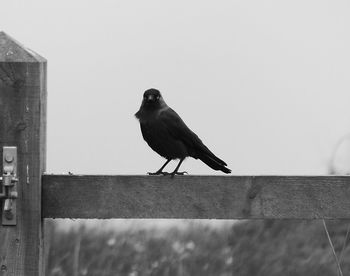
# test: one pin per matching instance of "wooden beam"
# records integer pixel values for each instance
(23, 124)
(196, 197)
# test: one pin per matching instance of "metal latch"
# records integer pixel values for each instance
(8, 187)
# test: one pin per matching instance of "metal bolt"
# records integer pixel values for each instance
(9, 158)
(13, 194)
(8, 215)
(3, 268)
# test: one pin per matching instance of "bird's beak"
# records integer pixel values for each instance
(150, 98)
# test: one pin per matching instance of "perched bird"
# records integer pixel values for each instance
(166, 133)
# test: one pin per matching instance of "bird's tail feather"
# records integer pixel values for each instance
(213, 162)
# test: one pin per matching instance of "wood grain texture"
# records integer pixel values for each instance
(196, 197)
(23, 124)
(13, 51)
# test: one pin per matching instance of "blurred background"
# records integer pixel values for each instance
(264, 84)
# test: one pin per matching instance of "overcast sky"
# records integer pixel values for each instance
(265, 84)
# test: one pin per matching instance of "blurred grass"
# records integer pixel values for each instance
(259, 247)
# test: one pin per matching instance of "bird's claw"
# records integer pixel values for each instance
(180, 173)
(158, 173)
(167, 173)
(177, 173)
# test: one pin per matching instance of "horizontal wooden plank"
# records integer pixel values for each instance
(196, 197)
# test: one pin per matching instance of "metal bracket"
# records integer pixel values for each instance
(8, 187)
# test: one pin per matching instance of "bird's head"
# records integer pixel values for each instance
(152, 99)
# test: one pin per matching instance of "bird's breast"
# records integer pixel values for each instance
(158, 137)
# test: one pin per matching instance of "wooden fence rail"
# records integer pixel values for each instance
(23, 125)
(196, 197)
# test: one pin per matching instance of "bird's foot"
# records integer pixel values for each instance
(177, 173)
(180, 173)
(167, 173)
(158, 173)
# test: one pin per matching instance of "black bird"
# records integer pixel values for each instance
(165, 132)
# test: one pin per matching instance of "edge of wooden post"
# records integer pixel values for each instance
(13, 51)
(23, 124)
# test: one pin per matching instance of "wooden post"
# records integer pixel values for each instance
(23, 124)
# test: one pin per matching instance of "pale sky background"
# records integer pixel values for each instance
(265, 84)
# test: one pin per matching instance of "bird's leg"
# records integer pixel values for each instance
(160, 171)
(175, 172)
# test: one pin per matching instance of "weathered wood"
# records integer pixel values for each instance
(196, 197)
(23, 124)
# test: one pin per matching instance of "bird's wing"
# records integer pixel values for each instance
(180, 131)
